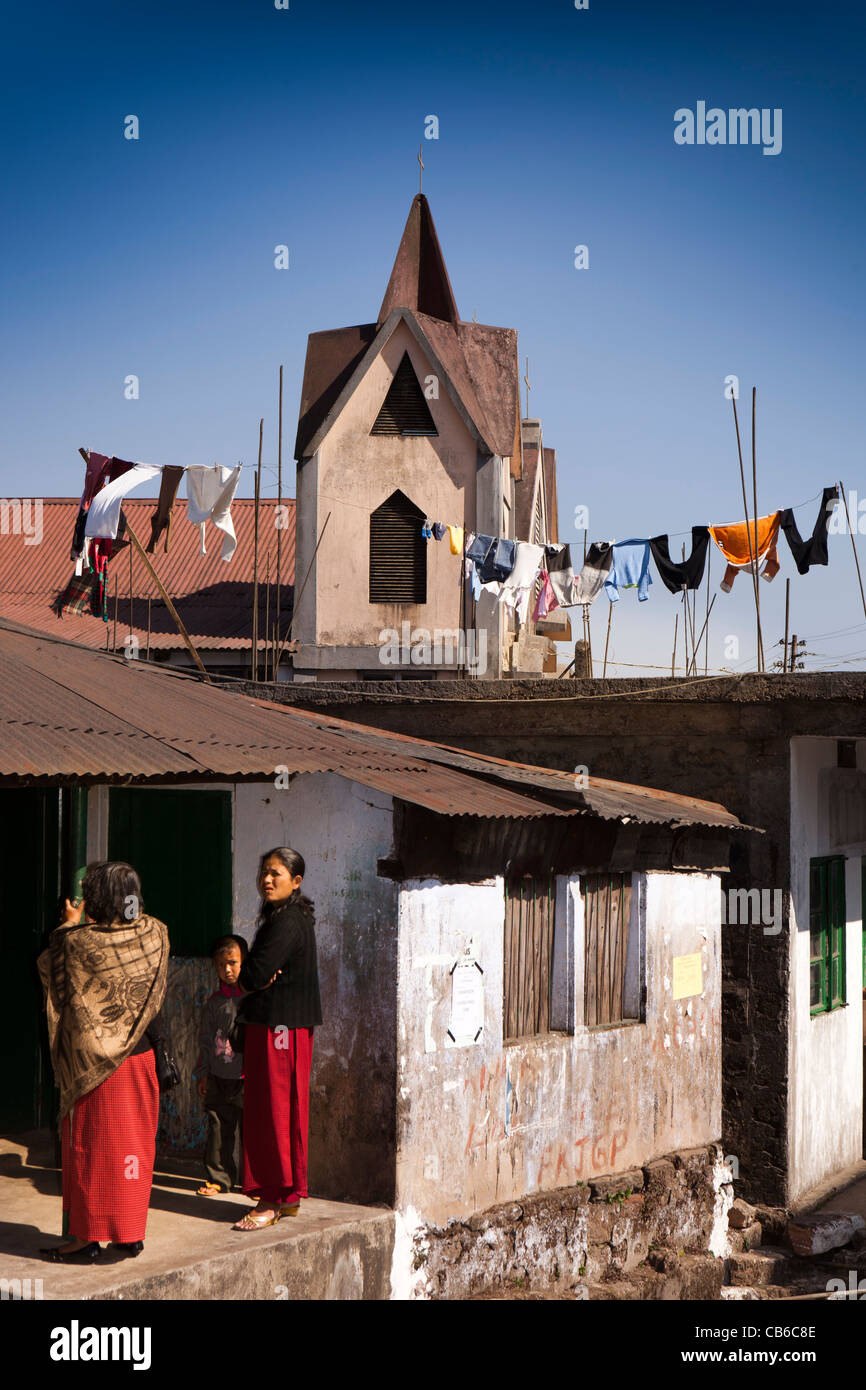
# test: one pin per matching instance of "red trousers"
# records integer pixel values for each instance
(109, 1145)
(276, 1111)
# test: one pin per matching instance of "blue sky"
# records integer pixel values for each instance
(261, 126)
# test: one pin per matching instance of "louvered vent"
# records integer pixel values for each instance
(404, 411)
(398, 553)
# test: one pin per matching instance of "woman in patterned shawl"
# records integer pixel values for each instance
(104, 975)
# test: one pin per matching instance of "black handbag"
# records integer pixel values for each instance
(167, 1070)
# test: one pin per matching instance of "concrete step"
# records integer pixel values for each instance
(331, 1250)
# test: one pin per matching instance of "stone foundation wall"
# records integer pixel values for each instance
(589, 1235)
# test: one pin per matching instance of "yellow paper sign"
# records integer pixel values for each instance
(688, 976)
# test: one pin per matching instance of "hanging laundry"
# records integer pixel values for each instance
(95, 476)
(455, 539)
(209, 494)
(517, 588)
(559, 567)
(77, 597)
(100, 554)
(103, 515)
(78, 539)
(685, 574)
(99, 471)
(161, 519)
(83, 559)
(426, 530)
(629, 569)
(471, 572)
(498, 562)
(734, 542)
(814, 550)
(479, 547)
(546, 601)
(596, 568)
(438, 530)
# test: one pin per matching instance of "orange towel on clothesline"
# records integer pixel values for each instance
(734, 542)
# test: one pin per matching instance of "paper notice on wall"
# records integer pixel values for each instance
(467, 1003)
(688, 976)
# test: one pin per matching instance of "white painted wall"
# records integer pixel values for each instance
(492, 1122)
(825, 1053)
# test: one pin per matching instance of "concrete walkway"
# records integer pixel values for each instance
(331, 1250)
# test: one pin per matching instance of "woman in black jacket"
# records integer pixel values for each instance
(280, 981)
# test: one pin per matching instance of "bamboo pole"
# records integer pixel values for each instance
(853, 546)
(114, 631)
(755, 502)
(254, 664)
(704, 629)
(787, 613)
(275, 662)
(753, 566)
(130, 592)
(147, 649)
(163, 592)
(607, 638)
(267, 607)
(674, 656)
(707, 619)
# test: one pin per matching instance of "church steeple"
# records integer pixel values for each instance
(419, 280)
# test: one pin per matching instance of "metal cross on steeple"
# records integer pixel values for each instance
(421, 170)
(528, 387)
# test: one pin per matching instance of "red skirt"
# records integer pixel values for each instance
(276, 1111)
(109, 1145)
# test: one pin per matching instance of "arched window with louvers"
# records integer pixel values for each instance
(398, 552)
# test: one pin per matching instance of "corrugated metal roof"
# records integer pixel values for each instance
(69, 712)
(214, 598)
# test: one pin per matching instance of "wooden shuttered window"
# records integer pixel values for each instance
(529, 923)
(827, 923)
(404, 409)
(607, 914)
(398, 552)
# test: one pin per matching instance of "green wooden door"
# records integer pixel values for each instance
(180, 842)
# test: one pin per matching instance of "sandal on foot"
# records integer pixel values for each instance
(209, 1189)
(257, 1219)
(289, 1209)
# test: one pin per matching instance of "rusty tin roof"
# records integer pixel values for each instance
(69, 712)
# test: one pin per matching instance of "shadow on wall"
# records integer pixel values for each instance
(182, 1126)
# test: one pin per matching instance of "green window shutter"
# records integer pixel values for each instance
(827, 929)
(180, 843)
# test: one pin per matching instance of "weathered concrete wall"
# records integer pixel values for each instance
(577, 1237)
(182, 1125)
(826, 1052)
(491, 1123)
(726, 740)
(341, 829)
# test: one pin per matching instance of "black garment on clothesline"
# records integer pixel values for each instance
(814, 550)
(687, 573)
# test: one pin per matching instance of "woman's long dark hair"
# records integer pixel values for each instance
(112, 893)
(294, 863)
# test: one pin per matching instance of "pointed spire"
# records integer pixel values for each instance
(419, 279)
